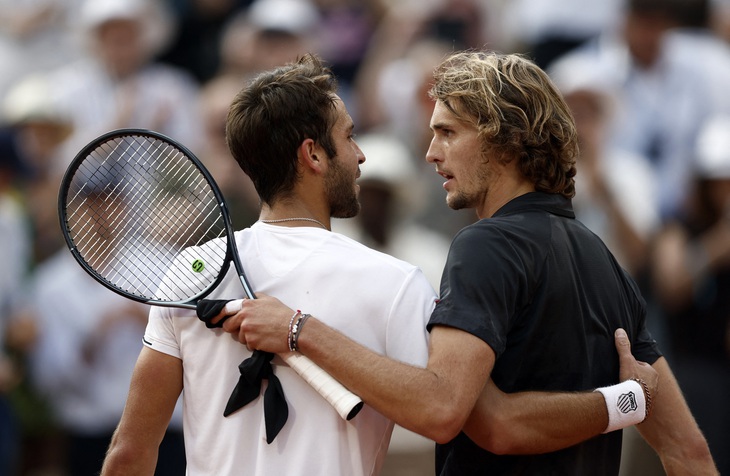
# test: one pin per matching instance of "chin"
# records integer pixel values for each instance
(457, 202)
(347, 212)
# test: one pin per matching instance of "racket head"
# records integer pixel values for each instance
(142, 215)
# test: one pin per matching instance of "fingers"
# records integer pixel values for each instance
(623, 346)
(232, 324)
(630, 368)
(627, 363)
(232, 307)
(260, 323)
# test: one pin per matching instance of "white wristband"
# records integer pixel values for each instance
(626, 404)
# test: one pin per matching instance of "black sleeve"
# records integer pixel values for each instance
(481, 286)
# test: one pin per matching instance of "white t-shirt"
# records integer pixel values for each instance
(371, 297)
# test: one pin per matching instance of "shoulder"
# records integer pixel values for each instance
(509, 231)
(356, 250)
(367, 256)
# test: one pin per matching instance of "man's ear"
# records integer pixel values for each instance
(311, 156)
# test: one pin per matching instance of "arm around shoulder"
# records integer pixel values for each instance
(155, 387)
(534, 422)
(542, 422)
(434, 401)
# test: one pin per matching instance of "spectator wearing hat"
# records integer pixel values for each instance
(35, 37)
(670, 76)
(616, 196)
(118, 83)
(268, 34)
(82, 364)
(35, 130)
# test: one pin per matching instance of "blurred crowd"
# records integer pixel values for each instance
(647, 81)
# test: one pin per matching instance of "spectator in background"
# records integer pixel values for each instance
(118, 84)
(410, 40)
(9, 432)
(37, 128)
(268, 34)
(15, 242)
(545, 30)
(32, 130)
(390, 195)
(692, 284)
(392, 90)
(616, 190)
(413, 37)
(35, 35)
(83, 361)
(346, 28)
(195, 46)
(669, 80)
(720, 18)
(215, 99)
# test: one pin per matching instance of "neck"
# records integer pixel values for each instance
(502, 191)
(293, 217)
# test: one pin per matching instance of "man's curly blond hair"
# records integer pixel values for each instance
(518, 111)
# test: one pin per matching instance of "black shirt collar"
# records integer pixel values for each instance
(550, 202)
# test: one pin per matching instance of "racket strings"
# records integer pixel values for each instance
(141, 214)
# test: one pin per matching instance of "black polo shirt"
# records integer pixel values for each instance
(546, 295)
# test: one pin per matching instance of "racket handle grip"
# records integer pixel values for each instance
(346, 403)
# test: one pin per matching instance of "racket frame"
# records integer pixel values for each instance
(231, 248)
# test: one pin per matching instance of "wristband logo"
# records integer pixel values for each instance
(626, 402)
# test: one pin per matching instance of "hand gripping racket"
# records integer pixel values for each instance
(142, 215)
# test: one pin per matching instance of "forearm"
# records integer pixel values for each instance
(123, 460)
(672, 431)
(540, 422)
(535, 422)
(155, 386)
(427, 401)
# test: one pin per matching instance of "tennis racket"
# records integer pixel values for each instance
(142, 215)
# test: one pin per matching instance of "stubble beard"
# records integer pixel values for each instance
(461, 199)
(340, 189)
(458, 201)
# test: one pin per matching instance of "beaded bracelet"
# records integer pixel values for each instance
(290, 336)
(296, 330)
(647, 395)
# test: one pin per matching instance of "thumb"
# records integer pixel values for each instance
(623, 346)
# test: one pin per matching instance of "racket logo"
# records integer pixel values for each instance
(198, 266)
